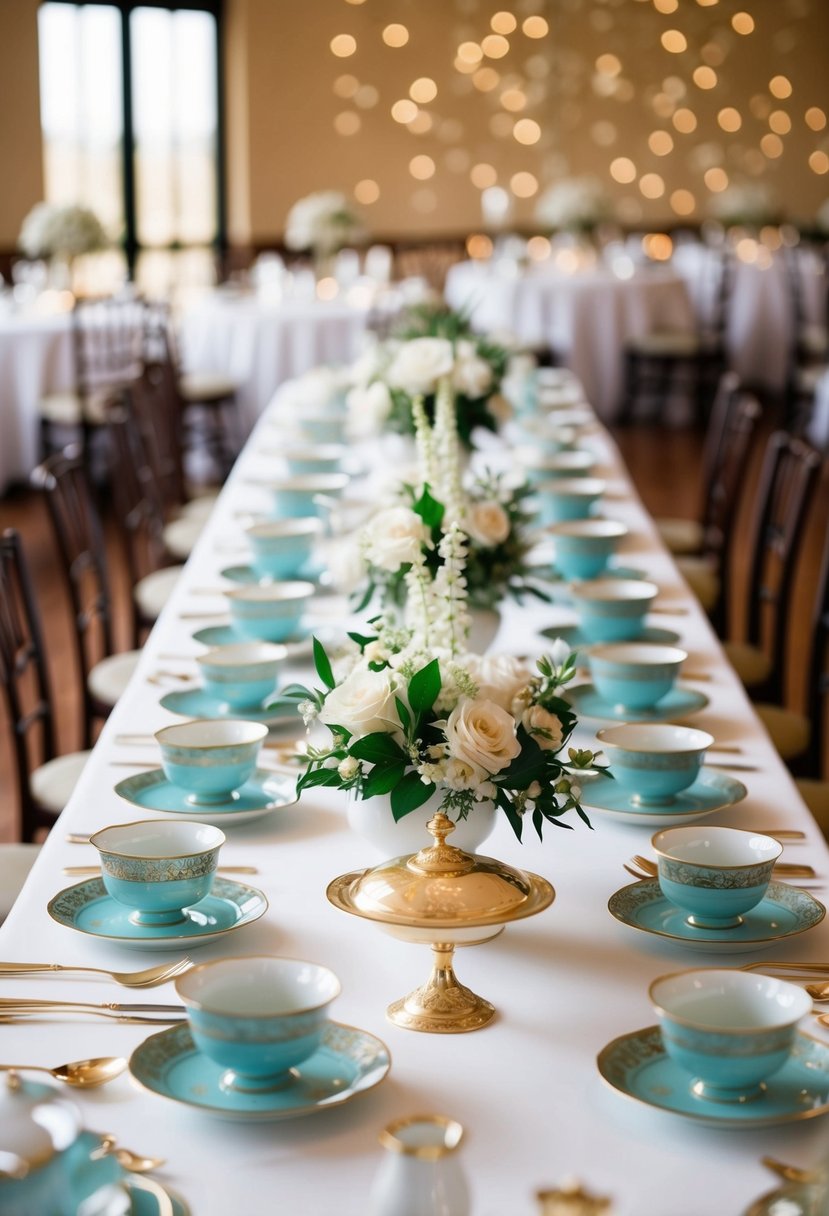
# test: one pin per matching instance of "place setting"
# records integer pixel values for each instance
(237, 678)
(636, 682)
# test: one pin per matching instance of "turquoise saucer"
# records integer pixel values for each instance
(348, 1062)
(575, 639)
(785, 912)
(299, 646)
(264, 793)
(310, 572)
(87, 908)
(678, 703)
(712, 791)
(199, 703)
(636, 1066)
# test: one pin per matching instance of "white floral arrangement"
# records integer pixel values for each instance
(52, 231)
(577, 204)
(324, 223)
(745, 205)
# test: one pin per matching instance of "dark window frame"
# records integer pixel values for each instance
(133, 248)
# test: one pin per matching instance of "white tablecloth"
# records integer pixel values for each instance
(35, 359)
(261, 345)
(564, 983)
(586, 317)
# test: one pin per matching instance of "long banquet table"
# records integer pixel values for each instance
(565, 983)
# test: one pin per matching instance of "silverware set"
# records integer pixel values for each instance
(149, 977)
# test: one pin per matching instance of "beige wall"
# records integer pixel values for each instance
(291, 145)
(21, 166)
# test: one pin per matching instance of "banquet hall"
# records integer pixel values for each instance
(414, 419)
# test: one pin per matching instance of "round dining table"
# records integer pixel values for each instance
(565, 983)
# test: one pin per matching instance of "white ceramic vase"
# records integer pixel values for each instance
(371, 818)
(420, 1174)
(485, 623)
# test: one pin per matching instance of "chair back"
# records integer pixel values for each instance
(817, 687)
(108, 343)
(24, 679)
(788, 480)
(154, 405)
(76, 523)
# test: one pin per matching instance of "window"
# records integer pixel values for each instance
(131, 127)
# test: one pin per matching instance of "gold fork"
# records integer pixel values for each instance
(150, 977)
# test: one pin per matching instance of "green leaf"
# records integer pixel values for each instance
(378, 748)
(319, 776)
(362, 639)
(424, 687)
(429, 509)
(409, 794)
(515, 821)
(322, 664)
(403, 714)
(529, 765)
(295, 692)
(383, 778)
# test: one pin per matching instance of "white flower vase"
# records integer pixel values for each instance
(420, 1175)
(484, 626)
(371, 818)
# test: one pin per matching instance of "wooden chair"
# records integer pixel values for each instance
(107, 349)
(788, 481)
(44, 780)
(140, 517)
(809, 346)
(664, 361)
(64, 480)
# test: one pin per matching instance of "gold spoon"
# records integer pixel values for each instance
(134, 1162)
(83, 1074)
(790, 1173)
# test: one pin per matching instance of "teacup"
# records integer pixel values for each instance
(563, 498)
(271, 612)
(584, 546)
(321, 426)
(613, 609)
(280, 548)
(257, 1017)
(560, 396)
(654, 761)
(714, 874)
(314, 457)
(305, 494)
(548, 436)
(729, 1030)
(242, 674)
(210, 758)
(158, 868)
(634, 675)
(544, 466)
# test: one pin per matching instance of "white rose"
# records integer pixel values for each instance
(368, 409)
(348, 768)
(544, 727)
(461, 775)
(500, 678)
(487, 523)
(419, 365)
(472, 375)
(394, 538)
(482, 734)
(363, 704)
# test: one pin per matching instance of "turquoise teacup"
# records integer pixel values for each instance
(543, 466)
(729, 1030)
(613, 609)
(280, 548)
(269, 612)
(561, 498)
(309, 458)
(305, 494)
(242, 674)
(258, 1018)
(634, 675)
(210, 758)
(654, 761)
(583, 547)
(321, 426)
(714, 874)
(158, 868)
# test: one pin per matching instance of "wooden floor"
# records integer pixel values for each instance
(664, 466)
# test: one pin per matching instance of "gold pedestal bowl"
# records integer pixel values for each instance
(446, 898)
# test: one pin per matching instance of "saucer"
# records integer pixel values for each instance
(298, 646)
(678, 703)
(712, 791)
(87, 908)
(637, 1066)
(147, 1197)
(575, 639)
(785, 912)
(264, 793)
(199, 703)
(347, 1063)
(249, 575)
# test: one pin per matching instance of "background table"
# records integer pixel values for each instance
(586, 317)
(564, 983)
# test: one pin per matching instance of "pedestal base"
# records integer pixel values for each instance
(441, 1005)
